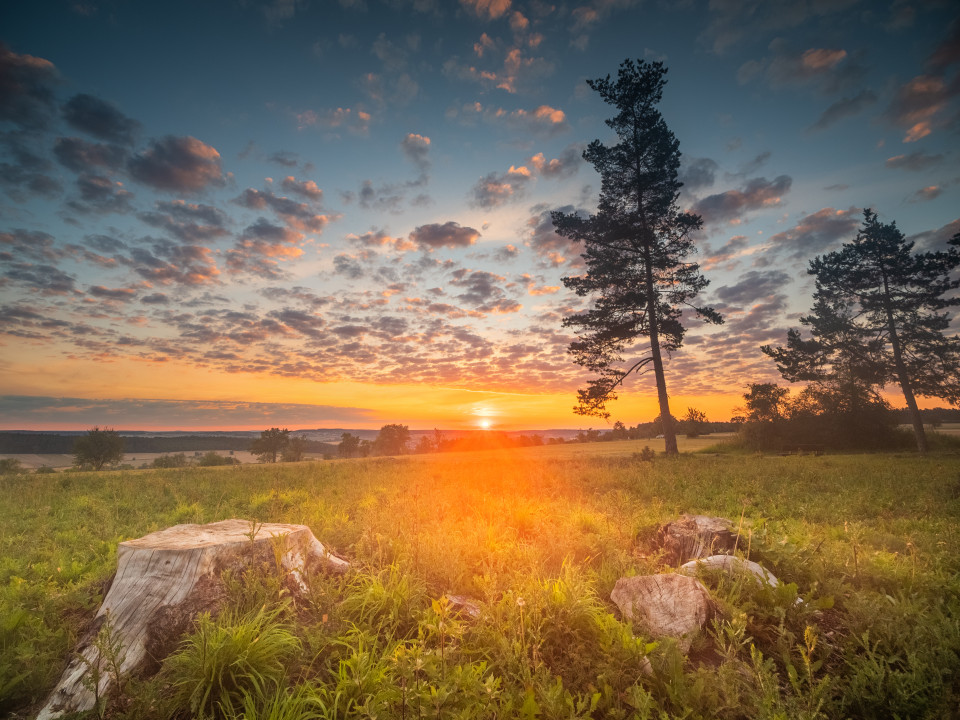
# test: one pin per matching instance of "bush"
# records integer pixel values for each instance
(170, 461)
(9, 466)
(212, 459)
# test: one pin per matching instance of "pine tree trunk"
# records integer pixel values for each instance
(902, 375)
(666, 419)
(163, 581)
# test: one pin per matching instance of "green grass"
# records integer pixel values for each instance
(538, 537)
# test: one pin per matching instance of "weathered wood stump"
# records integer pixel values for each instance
(665, 605)
(695, 536)
(164, 580)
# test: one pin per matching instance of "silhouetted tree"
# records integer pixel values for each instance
(695, 422)
(619, 431)
(877, 318)
(392, 440)
(270, 444)
(98, 448)
(294, 450)
(349, 445)
(635, 247)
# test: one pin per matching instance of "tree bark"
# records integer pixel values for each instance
(905, 385)
(163, 581)
(666, 419)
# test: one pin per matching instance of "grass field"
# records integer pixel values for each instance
(538, 536)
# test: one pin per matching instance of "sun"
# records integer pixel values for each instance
(485, 424)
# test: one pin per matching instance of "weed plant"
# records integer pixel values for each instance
(865, 622)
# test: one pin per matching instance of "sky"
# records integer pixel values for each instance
(330, 213)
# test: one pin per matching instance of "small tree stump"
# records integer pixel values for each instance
(164, 580)
(695, 536)
(666, 605)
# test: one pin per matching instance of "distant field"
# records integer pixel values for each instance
(871, 543)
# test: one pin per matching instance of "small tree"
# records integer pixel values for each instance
(695, 422)
(349, 446)
(98, 448)
(392, 440)
(294, 450)
(9, 466)
(270, 444)
(635, 247)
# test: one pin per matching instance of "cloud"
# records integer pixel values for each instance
(487, 9)
(518, 72)
(698, 173)
(347, 266)
(174, 414)
(259, 248)
(83, 156)
(726, 252)
(816, 233)
(830, 70)
(542, 120)
(543, 239)
(298, 215)
(117, 294)
(752, 286)
(303, 188)
(92, 115)
(915, 161)
(496, 189)
(753, 195)
(192, 223)
(177, 164)
(29, 244)
(918, 105)
(26, 89)
(26, 175)
(284, 158)
(481, 290)
(947, 53)
(449, 234)
(379, 239)
(101, 195)
(167, 262)
(387, 198)
(43, 278)
(417, 150)
(155, 299)
(564, 166)
(843, 108)
(928, 193)
(934, 240)
(730, 23)
(354, 120)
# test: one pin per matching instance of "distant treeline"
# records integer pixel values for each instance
(12, 443)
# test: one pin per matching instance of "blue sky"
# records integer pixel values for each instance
(346, 204)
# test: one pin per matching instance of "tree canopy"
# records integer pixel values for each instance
(393, 440)
(635, 246)
(98, 448)
(879, 317)
(270, 444)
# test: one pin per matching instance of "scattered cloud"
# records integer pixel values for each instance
(487, 9)
(449, 234)
(177, 164)
(918, 106)
(755, 194)
(496, 189)
(301, 216)
(542, 120)
(353, 120)
(915, 161)
(192, 223)
(843, 108)
(830, 70)
(933, 240)
(26, 89)
(92, 115)
(817, 233)
(83, 156)
(416, 148)
(304, 188)
(930, 192)
(698, 173)
(752, 286)
(100, 195)
(564, 166)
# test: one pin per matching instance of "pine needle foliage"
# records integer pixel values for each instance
(635, 247)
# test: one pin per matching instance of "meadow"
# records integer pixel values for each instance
(536, 537)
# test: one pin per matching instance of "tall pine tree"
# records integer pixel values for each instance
(879, 317)
(635, 247)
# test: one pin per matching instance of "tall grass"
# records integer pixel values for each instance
(537, 537)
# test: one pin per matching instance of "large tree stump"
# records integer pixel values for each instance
(164, 580)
